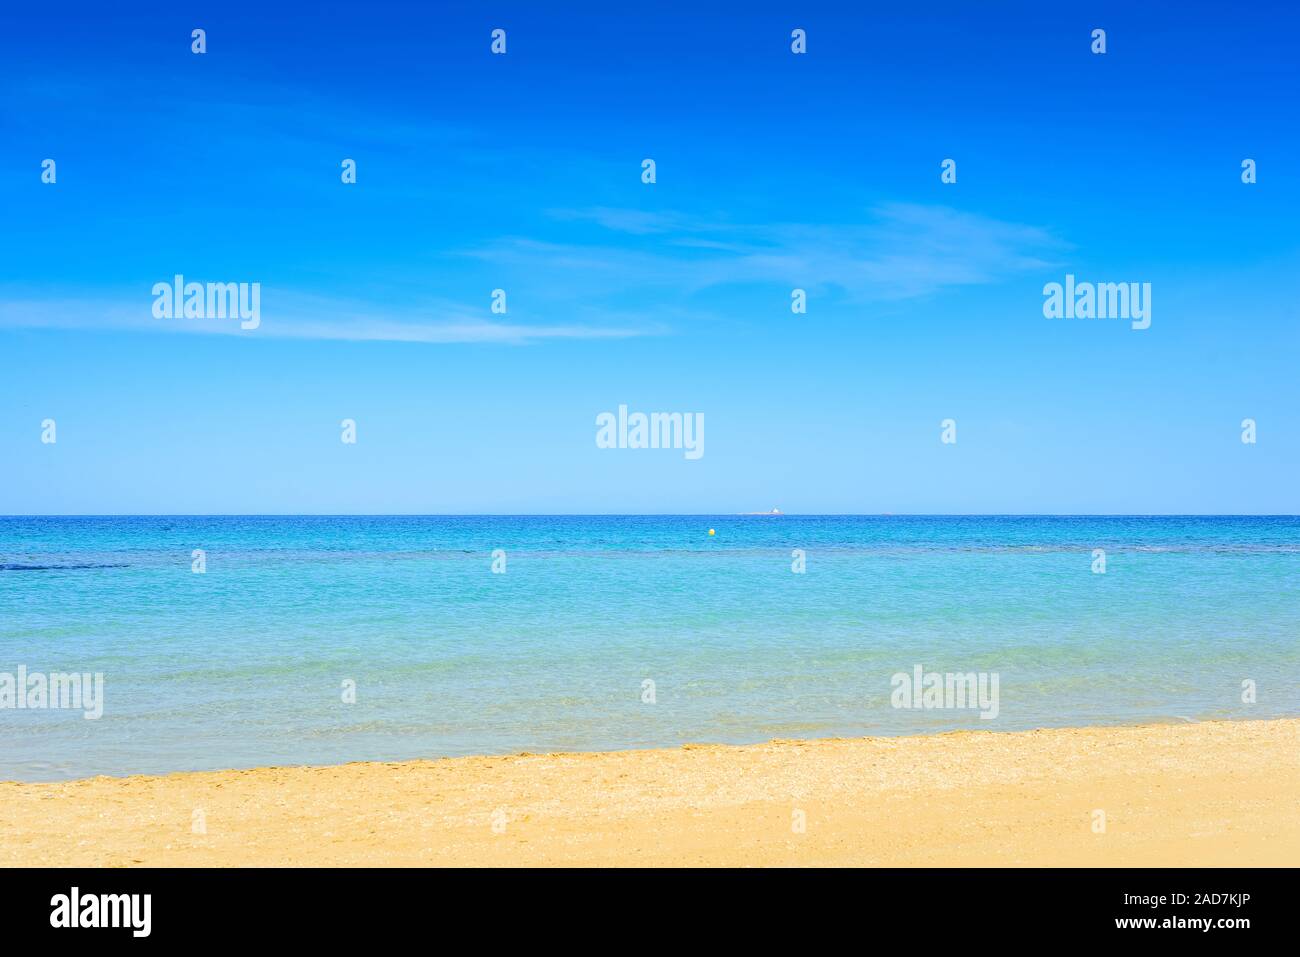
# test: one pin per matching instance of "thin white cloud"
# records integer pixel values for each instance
(898, 250)
(636, 265)
(300, 317)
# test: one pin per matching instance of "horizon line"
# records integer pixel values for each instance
(652, 515)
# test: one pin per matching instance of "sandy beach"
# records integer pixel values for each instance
(1213, 793)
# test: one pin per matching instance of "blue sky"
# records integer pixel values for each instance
(523, 172)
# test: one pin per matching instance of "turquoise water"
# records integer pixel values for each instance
(244, 665)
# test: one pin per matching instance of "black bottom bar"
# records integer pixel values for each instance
(964, 908)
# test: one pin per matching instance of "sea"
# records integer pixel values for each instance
(234, 642)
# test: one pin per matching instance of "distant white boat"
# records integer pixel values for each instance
(775, 511)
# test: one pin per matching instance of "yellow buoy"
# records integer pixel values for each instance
(710, 531)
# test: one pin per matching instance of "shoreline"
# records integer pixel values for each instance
(1214, 793)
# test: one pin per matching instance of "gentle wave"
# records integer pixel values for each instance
(15, 567)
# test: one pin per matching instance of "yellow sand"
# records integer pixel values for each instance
(1215, 793)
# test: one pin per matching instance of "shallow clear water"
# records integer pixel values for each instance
(244, 665)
